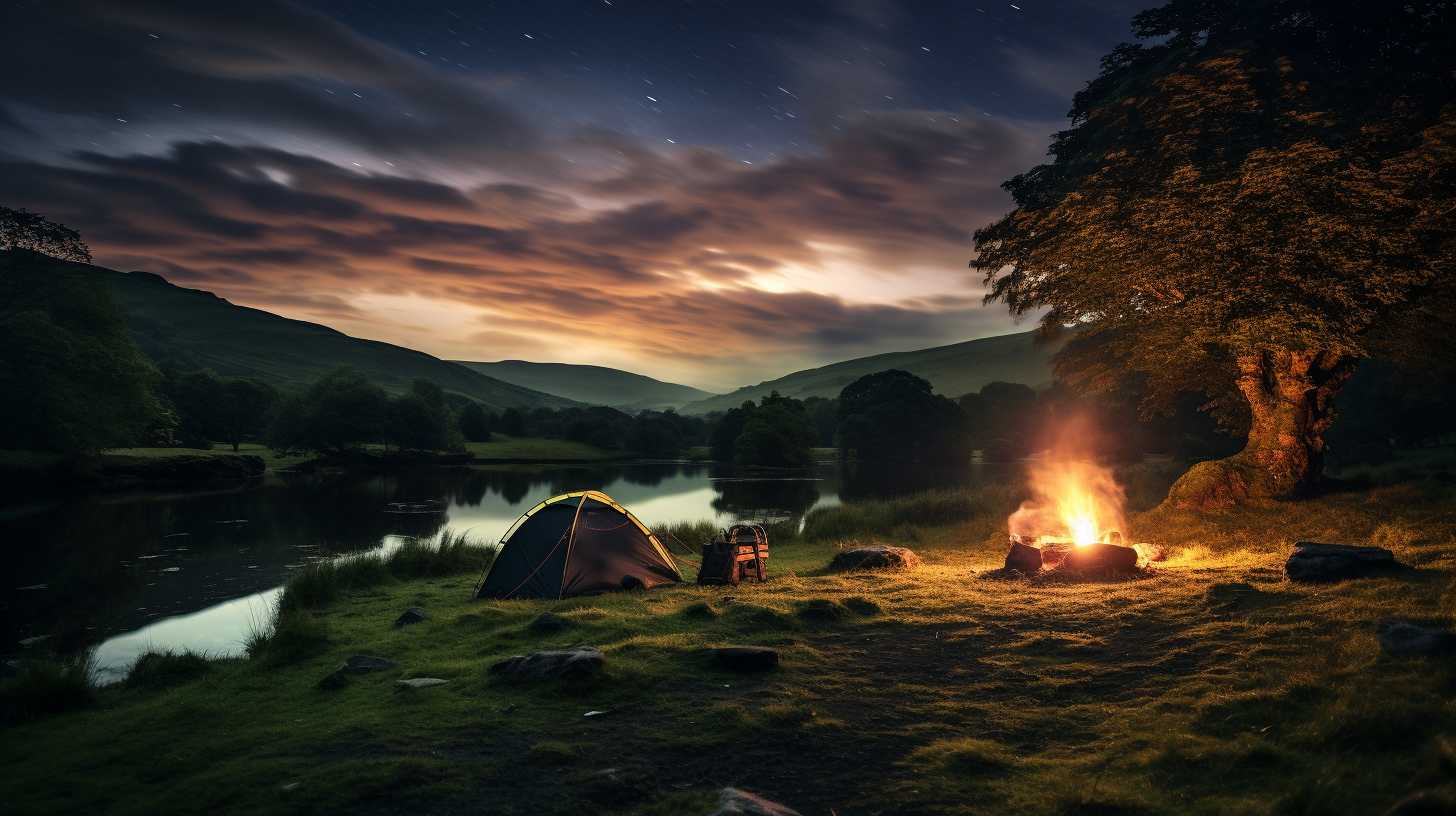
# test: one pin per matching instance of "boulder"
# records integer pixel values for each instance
(412, 615)
(1312, 562)
(746, 658)
(1111, 559)
(1023, 558)
(1405, 639)
(416, 683)
(875, 558)
(364, 664)
(735, 802)
(566, 663)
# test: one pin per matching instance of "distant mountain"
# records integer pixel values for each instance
(953, 370)
(596, 385)
(190, 328)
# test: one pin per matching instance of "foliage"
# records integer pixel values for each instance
(1244, 208)
(72, 377)
(776, 433)
(476, 422)
(20, 229)
(893, 416)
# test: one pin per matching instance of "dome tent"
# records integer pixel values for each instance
(577, 544)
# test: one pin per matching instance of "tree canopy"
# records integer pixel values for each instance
(20, 229)
(1245, 208)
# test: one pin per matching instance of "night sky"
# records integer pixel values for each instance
(707, 192)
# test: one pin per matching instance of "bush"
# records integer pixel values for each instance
(44, 688)
(165, 668)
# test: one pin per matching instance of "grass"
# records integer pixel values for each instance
(1215, 686)
(527, 449)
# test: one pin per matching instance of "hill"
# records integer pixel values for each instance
(191, 328)
(596, 385)
(954, 370)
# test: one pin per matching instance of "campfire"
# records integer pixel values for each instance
(1073, 522)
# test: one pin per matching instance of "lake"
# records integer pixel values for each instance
(200, 571)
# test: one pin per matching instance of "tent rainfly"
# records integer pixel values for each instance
(577, 544)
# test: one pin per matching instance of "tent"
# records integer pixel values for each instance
(577, 544)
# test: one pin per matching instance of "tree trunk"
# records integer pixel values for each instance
(1291, 404)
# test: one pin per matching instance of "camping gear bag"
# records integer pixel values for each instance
(740, 553)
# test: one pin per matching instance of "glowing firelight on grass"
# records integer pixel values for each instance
(1072, 500)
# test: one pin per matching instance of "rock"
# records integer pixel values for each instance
(363, 664)
(1023, 558)
(567, 663)
(735, 802)
(1113, 559)
(871, 558)
(746, 658)
(1424, 803)
(418, 683)
(1312, 562)
(1405, 639)
(412, 615)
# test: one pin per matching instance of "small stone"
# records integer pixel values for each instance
(566, 663)
(418, 683)
(1313, 562)
(875, 558)
(412, 615)
(746, 658)
(1405, 639)
(735, 802)
(1023, 558)
(363, 664)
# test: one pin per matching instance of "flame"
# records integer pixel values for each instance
(1072, 500)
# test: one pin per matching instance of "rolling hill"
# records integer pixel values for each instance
(954, 370)
(191, 328)
(596, 385)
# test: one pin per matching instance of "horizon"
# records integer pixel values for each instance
(706, 199)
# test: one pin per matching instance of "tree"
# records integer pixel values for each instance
(894, 416)
(73, 379)
(475, 423)
(20, 229)
(1246, 208)
(422, 419)
(778, 433)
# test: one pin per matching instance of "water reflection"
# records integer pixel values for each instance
(193, 570)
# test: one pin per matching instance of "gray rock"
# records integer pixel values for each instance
(875, 558)
(746, 658)
(566, 663)
(412, 615)
(415, 683)
(363, 664)
(735, 802)
(1023, 558)
(1313, 562)
(1406, 639)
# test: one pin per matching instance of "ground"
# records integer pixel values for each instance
(1214, 686)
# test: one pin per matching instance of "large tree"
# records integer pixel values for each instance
(1247, 207)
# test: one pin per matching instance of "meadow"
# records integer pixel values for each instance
(1212, 686)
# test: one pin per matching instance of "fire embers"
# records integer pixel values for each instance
(1066, 559)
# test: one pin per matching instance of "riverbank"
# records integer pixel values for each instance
(1214, 686)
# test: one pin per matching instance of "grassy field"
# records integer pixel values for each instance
(528, 449)
(1212, 687)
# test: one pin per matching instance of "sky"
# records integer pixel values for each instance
(712, 193)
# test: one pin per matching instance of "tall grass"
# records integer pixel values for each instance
(321, 583)
(43, 688)
(889, 516)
